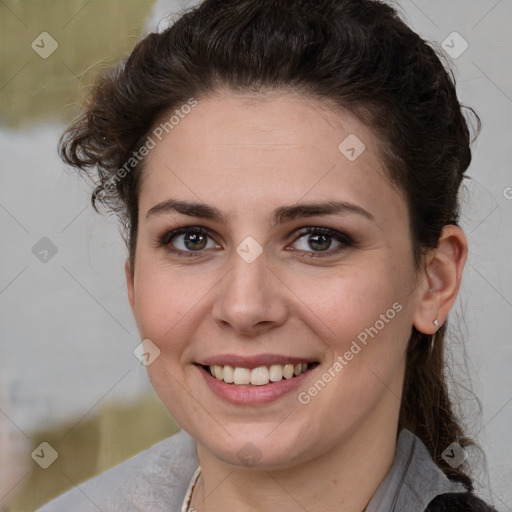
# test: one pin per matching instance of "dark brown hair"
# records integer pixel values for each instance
(355, 54)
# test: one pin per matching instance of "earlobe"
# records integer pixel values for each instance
(443, 274)
(130, 285)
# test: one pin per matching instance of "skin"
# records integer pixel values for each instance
(247, 156)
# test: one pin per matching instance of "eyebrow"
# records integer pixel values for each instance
(280, 215)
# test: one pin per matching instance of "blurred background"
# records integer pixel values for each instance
(68, 376)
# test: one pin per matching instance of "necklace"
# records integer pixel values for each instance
(187, 502)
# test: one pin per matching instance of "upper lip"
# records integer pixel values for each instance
(252, 361)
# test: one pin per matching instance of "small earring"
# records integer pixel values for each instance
(436, 322)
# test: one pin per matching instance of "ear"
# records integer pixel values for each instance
(130, 286)
(443, 269)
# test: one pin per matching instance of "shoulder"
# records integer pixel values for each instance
(155, 479)
(458, 502)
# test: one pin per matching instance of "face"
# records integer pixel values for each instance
(263, 249)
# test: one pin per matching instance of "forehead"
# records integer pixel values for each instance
(234, 148)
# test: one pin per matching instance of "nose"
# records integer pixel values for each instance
(250, 299)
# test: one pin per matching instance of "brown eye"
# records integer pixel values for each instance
(321, 240)
(194, 241)
(189, 240)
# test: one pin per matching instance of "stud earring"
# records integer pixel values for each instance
(436, 322)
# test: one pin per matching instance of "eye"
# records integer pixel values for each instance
(321, 240)
(188, 240)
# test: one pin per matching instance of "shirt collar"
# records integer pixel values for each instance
(411, 483)
(413, 480)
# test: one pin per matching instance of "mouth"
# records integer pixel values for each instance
(257, 376)
(255, 379)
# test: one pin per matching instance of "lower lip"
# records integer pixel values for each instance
(251, 395)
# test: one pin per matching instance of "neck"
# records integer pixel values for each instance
(343, 479)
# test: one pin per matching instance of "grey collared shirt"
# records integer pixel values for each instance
(157, 479)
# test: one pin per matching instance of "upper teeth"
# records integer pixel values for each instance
(257, 376)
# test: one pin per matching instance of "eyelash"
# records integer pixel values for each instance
(165, 240)
(345, 240)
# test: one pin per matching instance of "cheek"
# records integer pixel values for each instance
(365, 319)
(348, 300)
(164, 290)
(166, 308)
(164, 303)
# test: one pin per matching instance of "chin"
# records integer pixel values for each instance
(255, 446)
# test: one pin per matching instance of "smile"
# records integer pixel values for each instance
(254, 381)
(259, 376)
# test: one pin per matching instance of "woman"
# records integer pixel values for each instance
(287, 173)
